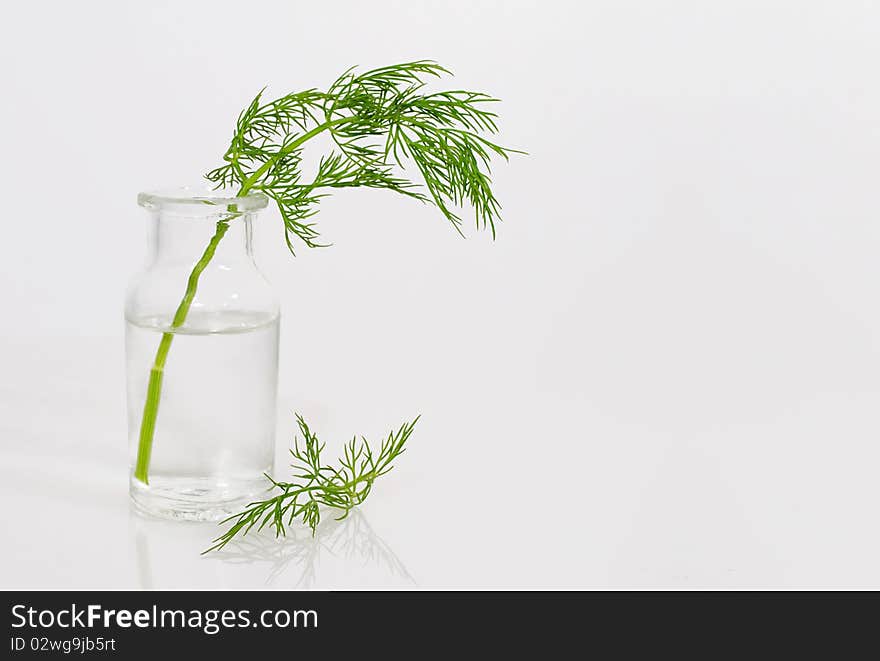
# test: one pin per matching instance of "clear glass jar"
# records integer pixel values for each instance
(202, 359)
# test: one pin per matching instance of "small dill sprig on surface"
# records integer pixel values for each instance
(341, 487)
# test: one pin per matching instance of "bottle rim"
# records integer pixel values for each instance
(199, 200)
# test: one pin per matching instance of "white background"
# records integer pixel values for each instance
(663, 373)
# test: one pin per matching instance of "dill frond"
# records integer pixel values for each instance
(316, 485)
(380, 121)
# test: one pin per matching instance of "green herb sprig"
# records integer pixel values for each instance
(316, 485)
(380, 122)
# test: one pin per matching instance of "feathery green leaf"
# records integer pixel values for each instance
(380, 121)
(343, 487)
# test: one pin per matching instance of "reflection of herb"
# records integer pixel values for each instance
(343, 487)
(299, 554)
(379, 122)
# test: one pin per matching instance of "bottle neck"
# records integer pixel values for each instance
(176, 239)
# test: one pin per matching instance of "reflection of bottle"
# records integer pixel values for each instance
(166, 556)
(142, 553)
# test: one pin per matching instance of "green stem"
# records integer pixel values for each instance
(154, 386)
(255, 177)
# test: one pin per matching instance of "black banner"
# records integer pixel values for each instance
(375, 624)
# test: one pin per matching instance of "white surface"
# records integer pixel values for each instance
(665, 371)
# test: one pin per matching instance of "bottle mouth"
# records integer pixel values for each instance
(201, 201)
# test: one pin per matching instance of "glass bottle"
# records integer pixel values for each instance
(202, 359)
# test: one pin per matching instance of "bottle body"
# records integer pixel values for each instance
(202, 363)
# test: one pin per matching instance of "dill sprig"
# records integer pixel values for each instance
(379, 121)
(316, 485)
